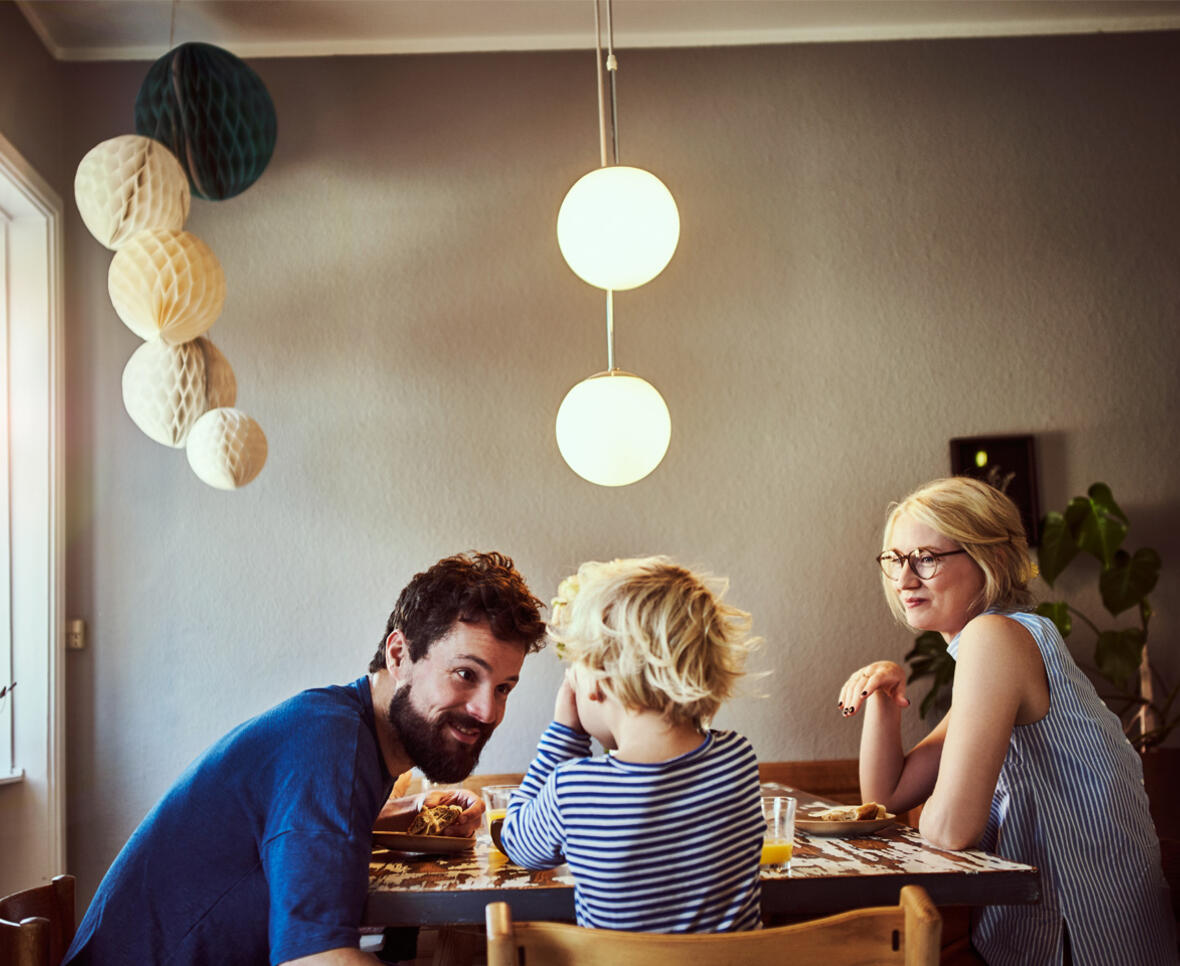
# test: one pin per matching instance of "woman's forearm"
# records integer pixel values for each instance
(881, 756)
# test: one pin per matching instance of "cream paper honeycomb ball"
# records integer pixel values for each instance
(129, 184)
(166, 285)
(167, 388)
(226, 448)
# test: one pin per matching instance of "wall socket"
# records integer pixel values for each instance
(76, 635)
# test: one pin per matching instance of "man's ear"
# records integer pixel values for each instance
(397, 651)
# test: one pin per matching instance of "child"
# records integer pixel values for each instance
(664, 833)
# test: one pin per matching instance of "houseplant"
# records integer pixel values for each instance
(1095, 526)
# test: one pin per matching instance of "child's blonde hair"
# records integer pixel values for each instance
(656, 633)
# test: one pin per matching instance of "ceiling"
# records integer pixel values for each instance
(142, 29)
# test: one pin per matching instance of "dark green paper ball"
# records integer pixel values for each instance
(214, 113)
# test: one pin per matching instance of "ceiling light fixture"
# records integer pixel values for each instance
(617, 228)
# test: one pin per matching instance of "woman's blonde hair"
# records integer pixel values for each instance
(985, 523)
(657, 634)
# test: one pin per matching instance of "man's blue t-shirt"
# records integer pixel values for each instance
(259, 853)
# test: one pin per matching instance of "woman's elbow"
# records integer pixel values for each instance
(953, 832)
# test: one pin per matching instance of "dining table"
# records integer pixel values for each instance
(827, 874)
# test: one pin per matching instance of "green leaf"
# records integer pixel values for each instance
(1098, 524)
(1057, 548)
(1119, 653)
(1058, 612)
(930, 658)
(1103, 499)
(1129, 579)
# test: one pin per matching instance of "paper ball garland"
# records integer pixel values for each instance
(167, 285)
(128, 184)
(226, 448)
(215, 114)
(221, 386)
(167, 388)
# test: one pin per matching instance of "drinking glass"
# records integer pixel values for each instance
(495, 800)
(778, 841)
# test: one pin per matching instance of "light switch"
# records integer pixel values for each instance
(76, 635)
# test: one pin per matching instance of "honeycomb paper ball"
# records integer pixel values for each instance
(166, 285)
(226, 448)
(214, 112)
(166, 388)
(128, 184)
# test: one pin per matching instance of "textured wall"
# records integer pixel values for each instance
(883, 246)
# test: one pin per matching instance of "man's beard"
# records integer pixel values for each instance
(436, 754)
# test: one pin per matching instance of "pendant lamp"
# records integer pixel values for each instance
(617, 228)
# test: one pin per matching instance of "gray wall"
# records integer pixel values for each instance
(883, 246)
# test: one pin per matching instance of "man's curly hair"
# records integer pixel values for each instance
(473, 588)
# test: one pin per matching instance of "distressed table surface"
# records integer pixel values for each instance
(826, 875)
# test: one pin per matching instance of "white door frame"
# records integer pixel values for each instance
(36, 511)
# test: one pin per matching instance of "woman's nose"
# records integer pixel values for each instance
(906, 576)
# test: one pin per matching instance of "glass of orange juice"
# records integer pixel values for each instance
(495, 800)
(778, 841)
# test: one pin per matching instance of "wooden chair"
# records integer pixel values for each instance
(37, 925)
(908, 933)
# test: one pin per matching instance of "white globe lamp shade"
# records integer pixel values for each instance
(618, 227)
(613, 428)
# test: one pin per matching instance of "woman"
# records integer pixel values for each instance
(1028, 762)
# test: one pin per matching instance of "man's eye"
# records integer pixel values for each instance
(466, 674)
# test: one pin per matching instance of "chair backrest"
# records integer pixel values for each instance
(37, 925)
(907, 934)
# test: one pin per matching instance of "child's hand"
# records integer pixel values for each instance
(565, 708)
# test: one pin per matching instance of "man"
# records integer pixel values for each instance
(260, 852)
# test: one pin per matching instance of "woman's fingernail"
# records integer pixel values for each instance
(864, 694)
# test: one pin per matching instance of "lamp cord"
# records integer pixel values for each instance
(612, 66)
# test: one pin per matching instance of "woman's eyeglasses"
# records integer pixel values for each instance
(924, 563)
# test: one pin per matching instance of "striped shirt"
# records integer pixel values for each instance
(671, 846)
(1070, 800)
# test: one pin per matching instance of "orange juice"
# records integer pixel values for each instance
(777, 853)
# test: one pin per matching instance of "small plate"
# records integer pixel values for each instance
(814, 826)
(404, 842)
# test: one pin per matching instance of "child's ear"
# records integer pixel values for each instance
(598, 694)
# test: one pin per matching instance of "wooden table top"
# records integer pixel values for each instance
(826, 875)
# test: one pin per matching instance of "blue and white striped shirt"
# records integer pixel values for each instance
(670, 846)
(1070, 800)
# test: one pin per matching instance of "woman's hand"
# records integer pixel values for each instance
(883, 676)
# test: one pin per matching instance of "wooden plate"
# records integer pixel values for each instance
(404, 842)
(813, 826)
